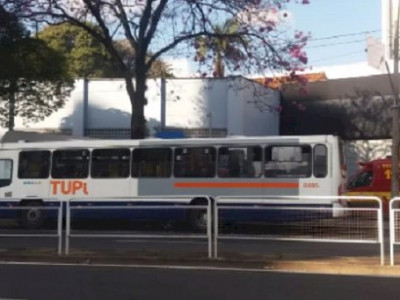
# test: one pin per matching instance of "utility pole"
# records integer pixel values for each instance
(163, 104)
(395, 111)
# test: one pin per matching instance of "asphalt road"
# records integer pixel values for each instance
(124, 282)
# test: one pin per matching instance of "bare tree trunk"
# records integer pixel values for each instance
(138, 100)
(219, 68)
(11, 108)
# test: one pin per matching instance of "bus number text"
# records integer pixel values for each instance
(310, 185)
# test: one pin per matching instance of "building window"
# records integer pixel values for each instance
(34, 164)
(70, 163)
(110, 163)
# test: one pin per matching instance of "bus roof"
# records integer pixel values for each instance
(52, 141)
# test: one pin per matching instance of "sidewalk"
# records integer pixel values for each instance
(339, 265)
(278, 255)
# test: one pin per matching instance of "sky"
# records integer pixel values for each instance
(338, 28)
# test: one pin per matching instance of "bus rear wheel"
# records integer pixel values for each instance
(197, 218)
(32, 217)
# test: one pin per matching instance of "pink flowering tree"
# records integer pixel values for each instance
(155, 28)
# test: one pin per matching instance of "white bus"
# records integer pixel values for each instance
(32, 172)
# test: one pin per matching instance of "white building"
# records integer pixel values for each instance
(199, 107)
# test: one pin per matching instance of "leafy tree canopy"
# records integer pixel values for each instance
(87, 57)
(33, 77)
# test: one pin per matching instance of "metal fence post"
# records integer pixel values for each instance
(380, 232)
(67, 226)
(216, 227)
(209, 228)
(59, 227)
(391, 230)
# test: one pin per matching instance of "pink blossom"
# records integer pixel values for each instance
(298, 34)
(303, 58)
(267, 81)
(295, 51)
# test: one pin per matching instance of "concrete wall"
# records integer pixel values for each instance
(230, 104)
(258, 102)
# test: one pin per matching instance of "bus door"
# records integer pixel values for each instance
(33, 175)
(6, 176)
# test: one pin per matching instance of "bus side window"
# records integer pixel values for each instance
(320, 161)
(151, 162)
(194, 162)
(34, 164)
(239, 162)
(5, 172)
(288, 161)
(70, 163)
(110, 163)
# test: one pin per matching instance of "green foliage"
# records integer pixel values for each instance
(87, 57)
(34, 81)
(223, 46)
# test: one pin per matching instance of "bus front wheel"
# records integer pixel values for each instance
(32, 217)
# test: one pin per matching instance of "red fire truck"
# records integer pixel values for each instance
(373, 179)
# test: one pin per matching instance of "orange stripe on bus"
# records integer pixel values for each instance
(242, 185)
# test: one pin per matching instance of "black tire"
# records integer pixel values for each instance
(33, 217)
(197, 218)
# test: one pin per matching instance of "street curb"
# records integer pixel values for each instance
(334, 268)
(366, 266)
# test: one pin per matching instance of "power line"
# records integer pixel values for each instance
(337, 56)
(342, 35)
(337, 44)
